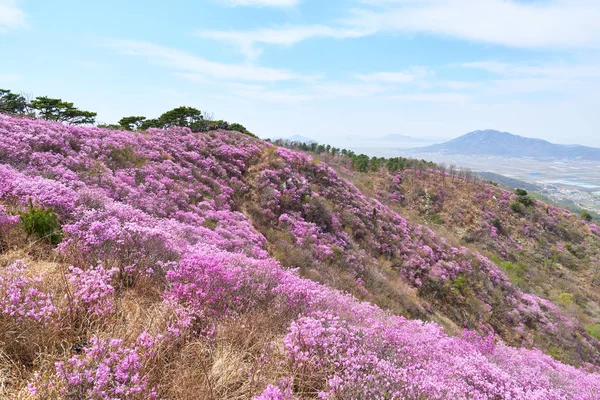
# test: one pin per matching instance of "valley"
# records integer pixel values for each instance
(561, 180)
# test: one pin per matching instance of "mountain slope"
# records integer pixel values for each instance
(180, 247)
(504, 144)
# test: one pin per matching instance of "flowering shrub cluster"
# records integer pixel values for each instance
(107, 370)
(40, 191)
(21, 298)
(395, 358)
(7, 220)
(92, 290)
(191, 213)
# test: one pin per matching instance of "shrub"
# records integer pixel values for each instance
(517, 206)
(124, 158)
(21, 297)
(460, 283)
(527, 201)
(7, 220)
(437, 219)
(515, 272)
(496, 223)
(92, 291)
(108, 369)
(28, 318)
(42, 222)
(585, 214)
(521, 192)
(566, 298)
(319, 213)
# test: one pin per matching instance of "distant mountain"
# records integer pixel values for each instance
(300, 138)
(504, 144)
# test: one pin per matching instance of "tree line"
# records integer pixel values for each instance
(55, 109)
(359, 162)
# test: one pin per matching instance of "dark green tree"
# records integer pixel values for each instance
(150, 123)
(239, 128)
(132, 123)
(521, 192)
(183, 116)
(63, 111)
(12, 103)
(113, 127)
(361, 162)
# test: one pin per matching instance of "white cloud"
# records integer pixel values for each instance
(262, 3)
(562, 71)
(547, 24)
(565, 80)
(348, 90)
(11, 16)
(247, 41)
(185, 62)
(432, 97)
(411, 75)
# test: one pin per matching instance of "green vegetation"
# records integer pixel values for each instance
(125, 157)
(496, 223)
(521, 192)
(515, 272)
(188, 117)
(359, 162)
(131, 123)
(210, 224)
(527, 201)
(57, 110)
(54, 109)
(11, 103)
(517, 206)
(436, 218)
(594, 331)
(523, 201)
(565, 299)
(42, 222)
(460, 283)
(585, 214)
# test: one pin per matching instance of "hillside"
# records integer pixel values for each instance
(509, 182)
(173, 264)
(543, 249)
(503, 144)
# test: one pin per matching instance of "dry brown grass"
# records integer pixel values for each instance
(244, 357)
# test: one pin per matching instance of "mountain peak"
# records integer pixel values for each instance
(504, 144)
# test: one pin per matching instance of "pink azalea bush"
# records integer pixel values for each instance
(92, 291)
(108, 369)
(395, 358)
(21, 297)
(7, 220)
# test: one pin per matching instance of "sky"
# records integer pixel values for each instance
(325, 69)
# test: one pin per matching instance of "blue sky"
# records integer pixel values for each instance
(325, 69)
